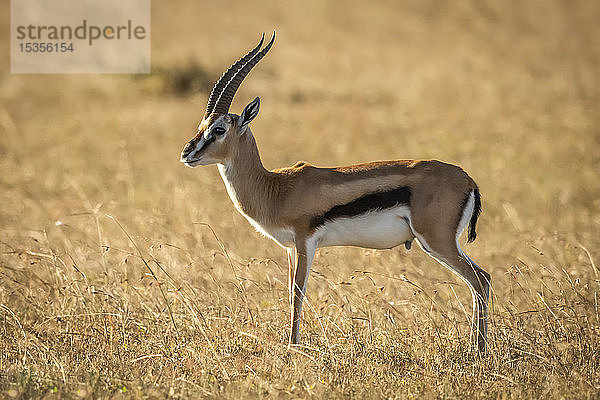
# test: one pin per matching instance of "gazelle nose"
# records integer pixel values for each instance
(187, 150)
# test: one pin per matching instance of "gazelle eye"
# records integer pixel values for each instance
(218, 130)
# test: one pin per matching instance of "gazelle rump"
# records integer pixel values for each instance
(376, 205)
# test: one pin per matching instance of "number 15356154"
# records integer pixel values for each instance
(46, 47)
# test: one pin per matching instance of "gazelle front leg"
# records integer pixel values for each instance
(291, 273)
(305, 252)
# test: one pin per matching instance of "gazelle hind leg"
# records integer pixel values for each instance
(484, 281)
(451, 256)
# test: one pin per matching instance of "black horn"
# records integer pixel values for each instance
(226, 97)
(226, 77)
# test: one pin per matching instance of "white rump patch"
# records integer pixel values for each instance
(464, 220)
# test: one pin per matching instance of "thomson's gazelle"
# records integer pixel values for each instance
(376, 205)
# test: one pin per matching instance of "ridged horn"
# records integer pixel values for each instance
(226, 77)
(226, 97)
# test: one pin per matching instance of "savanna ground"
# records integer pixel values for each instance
(123, 273)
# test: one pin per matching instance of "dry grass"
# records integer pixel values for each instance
(122, 273)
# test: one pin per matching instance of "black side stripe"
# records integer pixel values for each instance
(369, 202)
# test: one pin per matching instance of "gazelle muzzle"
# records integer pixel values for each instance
(192, 152)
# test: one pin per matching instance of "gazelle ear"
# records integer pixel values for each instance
(249, 113)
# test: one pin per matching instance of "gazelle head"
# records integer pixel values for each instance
(219, 132)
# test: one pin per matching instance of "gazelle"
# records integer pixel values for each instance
(376, 205)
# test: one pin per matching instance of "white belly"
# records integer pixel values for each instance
(375, 230)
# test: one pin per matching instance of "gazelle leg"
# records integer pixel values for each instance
(305, 252)
(291, 273)
(449, 254)
(481, 301)
(478, 282)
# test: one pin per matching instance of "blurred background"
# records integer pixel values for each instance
(89, 169)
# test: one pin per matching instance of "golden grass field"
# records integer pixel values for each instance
(125, 274)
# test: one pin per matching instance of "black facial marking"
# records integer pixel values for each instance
(369, 202)
(207, 142)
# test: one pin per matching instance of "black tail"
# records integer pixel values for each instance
(474, 216)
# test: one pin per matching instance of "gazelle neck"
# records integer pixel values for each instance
(248, 182)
